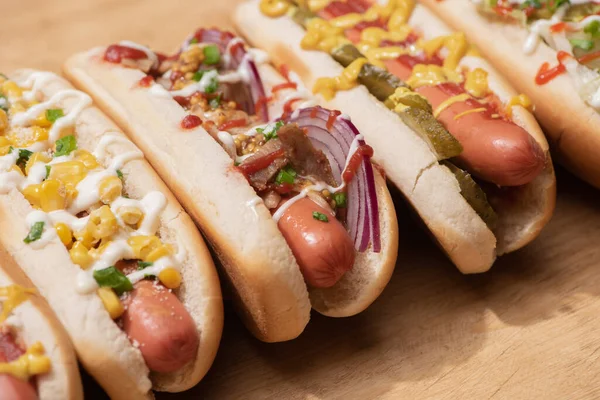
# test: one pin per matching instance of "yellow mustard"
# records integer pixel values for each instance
(432, 75)
(448, 102)
(13, 295)
(328, 87)
(520, 100)
(274, 8)
(321, 35)
(33, 362)
(476, 82)
(475, 110)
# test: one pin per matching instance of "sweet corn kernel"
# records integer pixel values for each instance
(69, 172)
(103, 223)
(97, 252)
(16, 107)
(143, 245)
(16, 169)
(170, 277)
(52, 195)
(36, 134)
(11, 90)
(86, 237)
(71, 193)
(64, 233)
(5, 144)
(87, 158)
(163, 250)
(3, 121)
(42, 121)
(80, 255)
(32, 194)
(111, 302)
(110, 189)
(130, 215)
(34, 158)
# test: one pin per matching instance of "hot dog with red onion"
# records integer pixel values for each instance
(445, 126)
(81, 200)
(283, 188)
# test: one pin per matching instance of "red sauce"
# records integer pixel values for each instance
(589, 57)
(287, 107)
(256, 164)
(261, 103)
(411, 61)
(115, 53)
(183, 101)
(191, 121)
(283, 86)
(559, 27)
(354, 164)
(146, 81)
(234, 123)
(9, 349)
(238, 45)
(546, 74)
(333, 114)
(284, 71)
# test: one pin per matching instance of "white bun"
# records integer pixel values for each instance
(103, 348)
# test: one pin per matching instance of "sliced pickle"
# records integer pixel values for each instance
(408, 98)
(577, 12)
(431, 130)
(301, 15)
(474, 195)
(378, 81)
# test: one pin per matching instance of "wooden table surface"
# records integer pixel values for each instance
(528, 329)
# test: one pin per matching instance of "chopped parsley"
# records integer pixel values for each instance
(212, 86)
(320, 216)
(24, 155)
(270, 131)
(286, 175)
(340, 199)
(120, 174)
(198, 75)
(35, 233)
(53, 114)
(48, 168)
(212, 55)
(113, 278)
(65, 145)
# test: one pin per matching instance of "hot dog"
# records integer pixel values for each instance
(553, 48)
(88, 206)
(442, 122)
(283, 188)
(37, 360)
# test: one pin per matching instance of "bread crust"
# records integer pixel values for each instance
(36, 322)
(103, 348)
(271, 292)
(570, 124)
(431, 188)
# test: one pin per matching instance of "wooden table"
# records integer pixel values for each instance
(528, 329)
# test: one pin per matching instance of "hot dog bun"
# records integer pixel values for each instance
(270, 288)
(103, 348)
(409, 163)
(571, 124)
(34, 321)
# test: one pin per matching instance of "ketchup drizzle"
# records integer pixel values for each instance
(191, 121)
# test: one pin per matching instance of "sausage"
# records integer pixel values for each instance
(12, 387)
(324, 250)
(495, 150)
(155, 319)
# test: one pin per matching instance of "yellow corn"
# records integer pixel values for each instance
(32, 194)
(80, 255)
(64, 233)
(11, 90)
(110, 189)
(52, 195)
(163, 250)
(36, 157)
(111, 302)
(16, 107)
(69, 172)
(16, 169)
(38, 134)
(5, 144)
(86, 237)
(42, 121)
(70, 193)
(87, 158)
(143, 245)
(3, 121)
(97, 252)
(170, 277)
(130, 215)
(103, 223)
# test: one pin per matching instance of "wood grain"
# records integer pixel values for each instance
(528, 329)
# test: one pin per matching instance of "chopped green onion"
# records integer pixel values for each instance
(64, 146)
(120, 174)
(113, 278)
(212, 86)
(593, 28)
(144, 264)
(216, 102)
(270, 131)
(286, 175)
(198, 75)
(193, 41)
(53, 114)
(35, 233)
(212, 55)
(24, 155)
(320, 216)
(582, 43)
(340, 199)
(48, 168)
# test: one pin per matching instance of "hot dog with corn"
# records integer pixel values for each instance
(283, 188)
(459, 143)
(549, 49)
(102, 238)
(37, 360)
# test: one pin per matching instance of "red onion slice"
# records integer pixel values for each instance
(363, 209)
(238, 58)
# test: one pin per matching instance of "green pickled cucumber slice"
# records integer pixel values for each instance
(408, 98)
(431, 130)
(474, 195)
